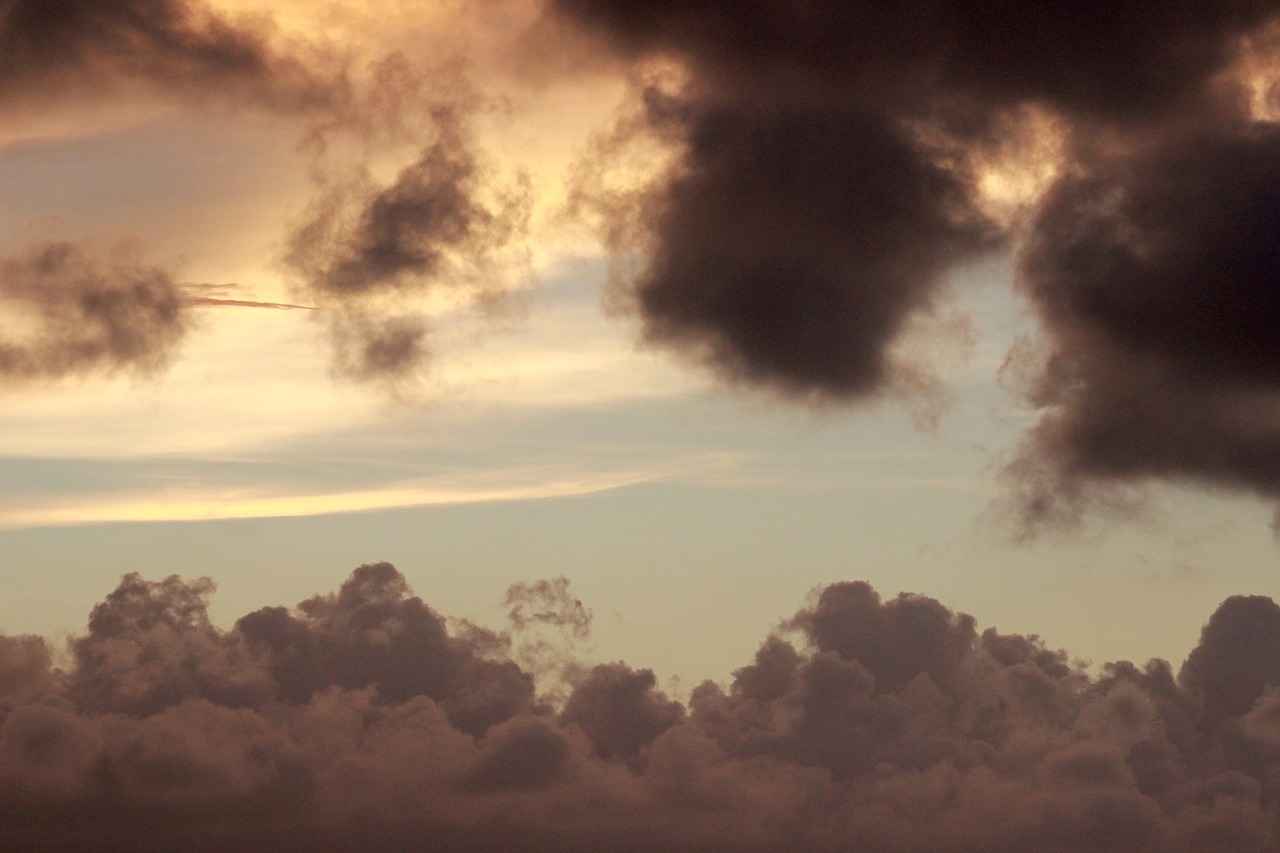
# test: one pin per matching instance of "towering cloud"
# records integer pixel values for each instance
(357, 721)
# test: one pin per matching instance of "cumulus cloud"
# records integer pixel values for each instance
(358, 721)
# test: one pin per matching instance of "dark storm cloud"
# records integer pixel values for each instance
(74, 312)
(823, 184)
(1120, 61)
(77, 48)
(806, 219)
(358, 721)
(1158, 277)
(792, 245)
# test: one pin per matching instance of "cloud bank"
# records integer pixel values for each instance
(358, 721)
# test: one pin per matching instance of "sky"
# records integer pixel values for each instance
(593, 424)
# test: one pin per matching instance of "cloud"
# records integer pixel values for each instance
(832, 162)
(823, 170)
(824, 177)
(1121, 63)
(547, 602)
(409, 232)
(72, 311)
(368, 249)
(1156, 277)
(790, 245)
(357, 720)
(86, 48)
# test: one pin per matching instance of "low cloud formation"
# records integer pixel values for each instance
(358, 721)
(69, 311)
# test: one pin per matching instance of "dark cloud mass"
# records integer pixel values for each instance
(1158, 277)
(1120, 61)
(66, 310)
(793, 245)
(358, 721)
(807, 219)
(824, 184)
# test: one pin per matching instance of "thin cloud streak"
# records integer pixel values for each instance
(485, 486)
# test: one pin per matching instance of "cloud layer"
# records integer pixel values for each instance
(358, 721)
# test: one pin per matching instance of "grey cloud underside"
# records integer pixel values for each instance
(823, 189)
(358, 721)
